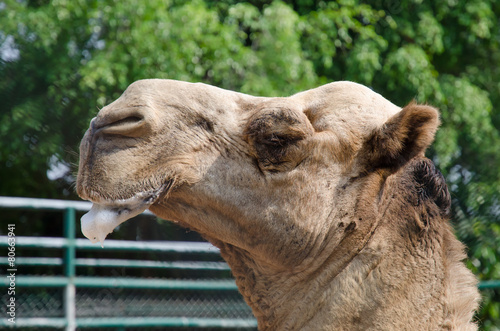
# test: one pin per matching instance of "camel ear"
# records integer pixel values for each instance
(404, 136)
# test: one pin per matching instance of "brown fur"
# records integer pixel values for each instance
(322, 203)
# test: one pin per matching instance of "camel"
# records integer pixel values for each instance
(322, 203)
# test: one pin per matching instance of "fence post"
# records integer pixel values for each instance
(69, 269)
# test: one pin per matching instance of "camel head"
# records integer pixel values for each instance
(283, 186)
(233, 166)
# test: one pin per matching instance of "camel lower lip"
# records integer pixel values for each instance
(105, 216)
(103, 219)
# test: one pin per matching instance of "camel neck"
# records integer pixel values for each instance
(275, 296)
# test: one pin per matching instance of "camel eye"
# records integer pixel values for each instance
(274, 135)
(275, 140)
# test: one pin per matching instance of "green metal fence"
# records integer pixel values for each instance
(163, 302)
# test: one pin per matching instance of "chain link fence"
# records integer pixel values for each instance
(38, 302)
(32, 302)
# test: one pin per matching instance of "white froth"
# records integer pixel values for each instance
(103, 219)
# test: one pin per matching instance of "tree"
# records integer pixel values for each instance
(62, 60)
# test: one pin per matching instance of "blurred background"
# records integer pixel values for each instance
(63, 60)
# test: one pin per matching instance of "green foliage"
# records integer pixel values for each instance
(61, 60)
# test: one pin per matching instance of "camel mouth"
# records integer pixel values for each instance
(147, 196)
(106, 215)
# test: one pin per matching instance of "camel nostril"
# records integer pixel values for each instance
(126, 121)
(127, 126)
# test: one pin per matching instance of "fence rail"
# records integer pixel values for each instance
(122, 322)
(70, 281)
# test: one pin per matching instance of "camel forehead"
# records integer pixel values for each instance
(346, 101)
(349, 110)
